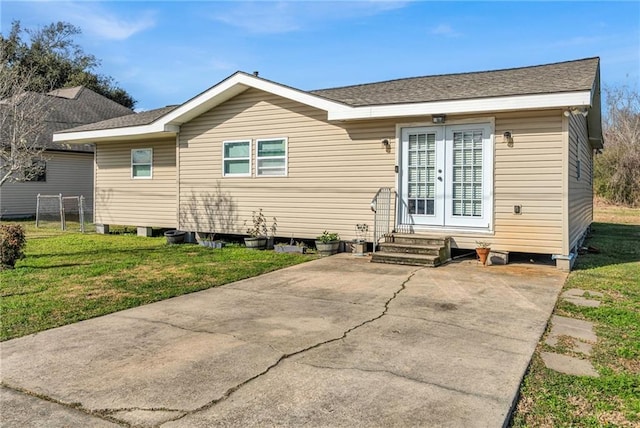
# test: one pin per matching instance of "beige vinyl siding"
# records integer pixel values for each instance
(528, 174)
(580, 190)
(333, 169)
(120, 199)
(68, 173)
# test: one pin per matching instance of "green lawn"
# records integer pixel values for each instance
(551, 399)
(68, 277)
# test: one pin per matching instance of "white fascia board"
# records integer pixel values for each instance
(237, 84)
(114, 133)
(209, 99)
(482, 105)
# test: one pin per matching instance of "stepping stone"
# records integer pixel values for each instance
(576, 296)
(564, 326)
(577, 345)
(578, 292)
(568, 365)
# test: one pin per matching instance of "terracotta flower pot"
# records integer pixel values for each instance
(483, 253)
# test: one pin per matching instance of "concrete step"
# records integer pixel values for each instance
(406, 259)
(391, 247)
(416, 239)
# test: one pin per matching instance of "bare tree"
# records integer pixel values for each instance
(617, 169)
(22, 125)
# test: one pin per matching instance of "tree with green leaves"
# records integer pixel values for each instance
(53, 60)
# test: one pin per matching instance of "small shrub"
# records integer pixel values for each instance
(12, 242)
(327, 237)
(259, 226)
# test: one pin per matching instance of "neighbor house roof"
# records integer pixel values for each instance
(560, 85)
(69, 108)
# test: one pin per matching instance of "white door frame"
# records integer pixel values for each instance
(448, 221)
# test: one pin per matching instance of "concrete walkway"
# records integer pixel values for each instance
(334, 342)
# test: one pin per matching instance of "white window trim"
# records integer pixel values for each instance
(224, 143)
(286, 156)
(150, 164)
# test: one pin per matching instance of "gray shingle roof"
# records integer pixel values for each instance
(567, 76)
(133, 119)
(570, 76)
(71, 107)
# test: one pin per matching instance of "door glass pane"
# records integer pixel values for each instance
(421, 173)
(467, 174)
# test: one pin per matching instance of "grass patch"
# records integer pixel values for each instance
(551, 399)
(67, 276)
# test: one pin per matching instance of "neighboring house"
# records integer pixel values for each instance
(502, 156)
(68, 168)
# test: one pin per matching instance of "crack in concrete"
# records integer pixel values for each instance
(237, 387)
(399, 375)
(74, 406)
(105, 414)
(133, 409)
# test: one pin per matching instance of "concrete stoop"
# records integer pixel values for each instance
(580, 332)
(413, 249)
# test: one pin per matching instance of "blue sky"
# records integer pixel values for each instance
(165, 52)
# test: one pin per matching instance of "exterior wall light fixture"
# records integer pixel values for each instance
(438, 118)
(508, 138)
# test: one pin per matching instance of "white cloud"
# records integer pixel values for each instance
(445, 30)
(95, 19)
(262, 17)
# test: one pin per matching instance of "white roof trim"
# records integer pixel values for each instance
(480, 105)
(169, 124)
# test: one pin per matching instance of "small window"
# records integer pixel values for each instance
(141, 163)
(236, 158)
(271, 158)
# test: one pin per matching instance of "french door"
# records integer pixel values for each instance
(446, 176)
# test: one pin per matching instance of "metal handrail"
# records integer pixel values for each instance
(382, 207)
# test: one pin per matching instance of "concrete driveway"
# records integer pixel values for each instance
(333, 342)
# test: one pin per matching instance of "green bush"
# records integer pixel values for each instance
(12, 242)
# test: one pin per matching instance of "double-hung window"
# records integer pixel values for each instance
(141, 163)
(271, 157)
(236, 158)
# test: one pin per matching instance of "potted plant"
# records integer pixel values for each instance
(209, 241)
(327, 243)
(174, 236)
(482, 250)
(258, 231)
(298, 247)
